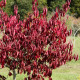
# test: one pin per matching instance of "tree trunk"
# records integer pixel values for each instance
(14, 74)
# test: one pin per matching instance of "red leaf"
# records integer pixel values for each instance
(10, 74)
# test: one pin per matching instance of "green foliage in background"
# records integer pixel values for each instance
(24, 6)
(52, 4)
(75, 7)
(41, 5)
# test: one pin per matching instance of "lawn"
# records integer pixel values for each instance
(69, 71)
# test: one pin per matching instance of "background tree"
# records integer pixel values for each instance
(52, 4)
(75, 7)
(42, 4)
(24, 7)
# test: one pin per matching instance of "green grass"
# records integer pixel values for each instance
(69, 71)
(5, 71)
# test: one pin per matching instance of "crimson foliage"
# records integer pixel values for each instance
(2, 77)
(23, 46)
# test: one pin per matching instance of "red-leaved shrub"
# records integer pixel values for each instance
(34, 45)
